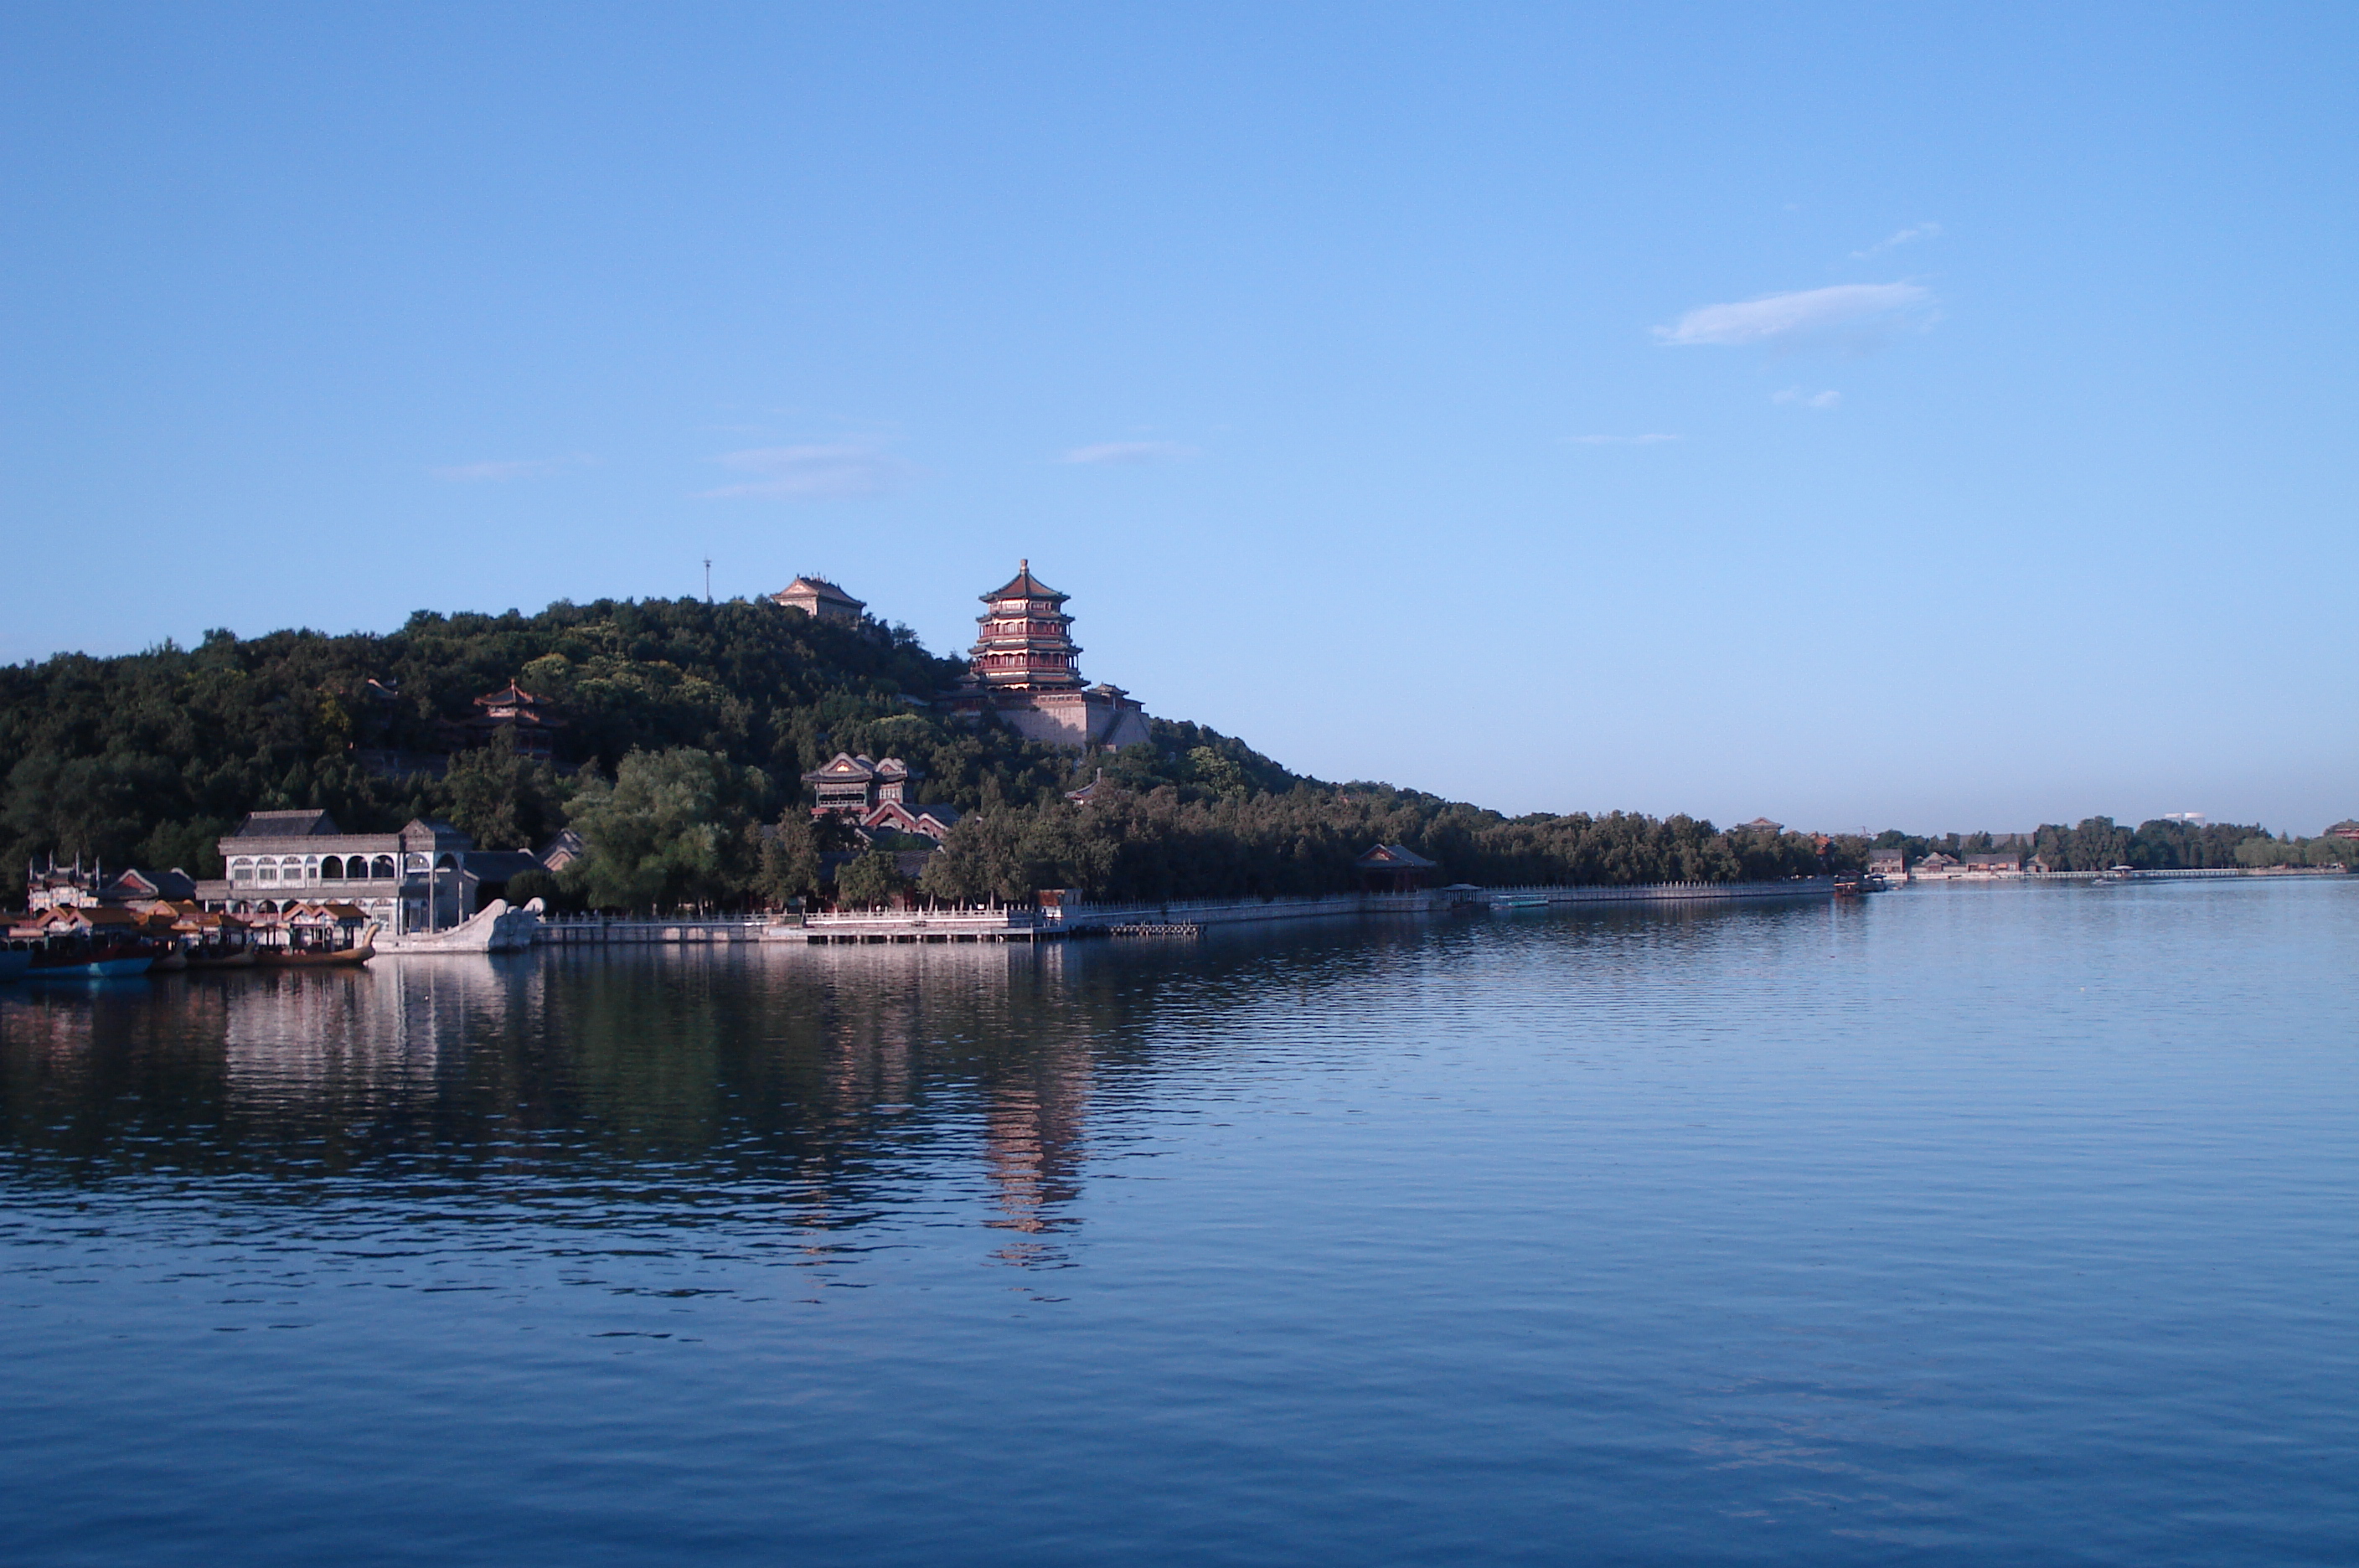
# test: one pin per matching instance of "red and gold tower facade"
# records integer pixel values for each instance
(1027, 644)
(1025, 669)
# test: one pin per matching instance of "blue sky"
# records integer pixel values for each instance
(1935, 418)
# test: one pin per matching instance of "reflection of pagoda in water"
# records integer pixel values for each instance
(1033, 1138)
(1025, 1061)
(1025, 669)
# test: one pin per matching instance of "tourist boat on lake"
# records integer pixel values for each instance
(1859, 884)
(201, 957)
(313, 936)
(359, 951)
(78, 958)
(212, 940)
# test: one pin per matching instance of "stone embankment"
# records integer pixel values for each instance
(1177, 918)
(2197, 874)
(1077, 919)
(1188, 918)
(598, 930)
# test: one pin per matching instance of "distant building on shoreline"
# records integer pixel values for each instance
(1940, 867)
(56, 886)
(1393, 869)
(1024, 670)
(428, 876)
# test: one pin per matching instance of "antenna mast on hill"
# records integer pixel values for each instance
(708, 579)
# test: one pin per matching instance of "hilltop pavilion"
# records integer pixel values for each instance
(820, 600)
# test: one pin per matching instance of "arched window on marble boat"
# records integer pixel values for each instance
(331, 868)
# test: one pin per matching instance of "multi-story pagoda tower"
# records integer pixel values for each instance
(1025, 645)
(1025, 668)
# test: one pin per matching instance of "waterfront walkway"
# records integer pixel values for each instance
(1029, 923)
(1176, 917)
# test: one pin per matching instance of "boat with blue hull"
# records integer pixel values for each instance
(71, 959)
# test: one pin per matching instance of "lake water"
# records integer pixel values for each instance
(1964, 1225)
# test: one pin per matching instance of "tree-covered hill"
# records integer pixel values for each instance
(692, 721)
(149, 756)
(686, 728)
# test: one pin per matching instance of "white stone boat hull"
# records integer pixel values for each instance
(498, 927)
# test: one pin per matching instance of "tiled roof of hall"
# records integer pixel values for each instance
(313, 823)
(510, 695)
(1024, 585)
(844, 764)
(823, 587)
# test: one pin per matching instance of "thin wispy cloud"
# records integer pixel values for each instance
(1652, 438)
(1106, 452)
(1800, 398)
(520, 468)
(1777, 317)
(1909, 236)
(815, 470)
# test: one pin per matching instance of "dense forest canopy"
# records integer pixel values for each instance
(151, 756)
(688, 725)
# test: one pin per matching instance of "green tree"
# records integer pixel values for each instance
(498, 798)
(671, 830)
(872, 879)
(977, 861)
(2262, 851)
(791, 855)
(1219, 774)
(525, 886)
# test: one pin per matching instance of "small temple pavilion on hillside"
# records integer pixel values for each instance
(1026, 669)
(874, 796)
(820, 600)
(528, 718)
